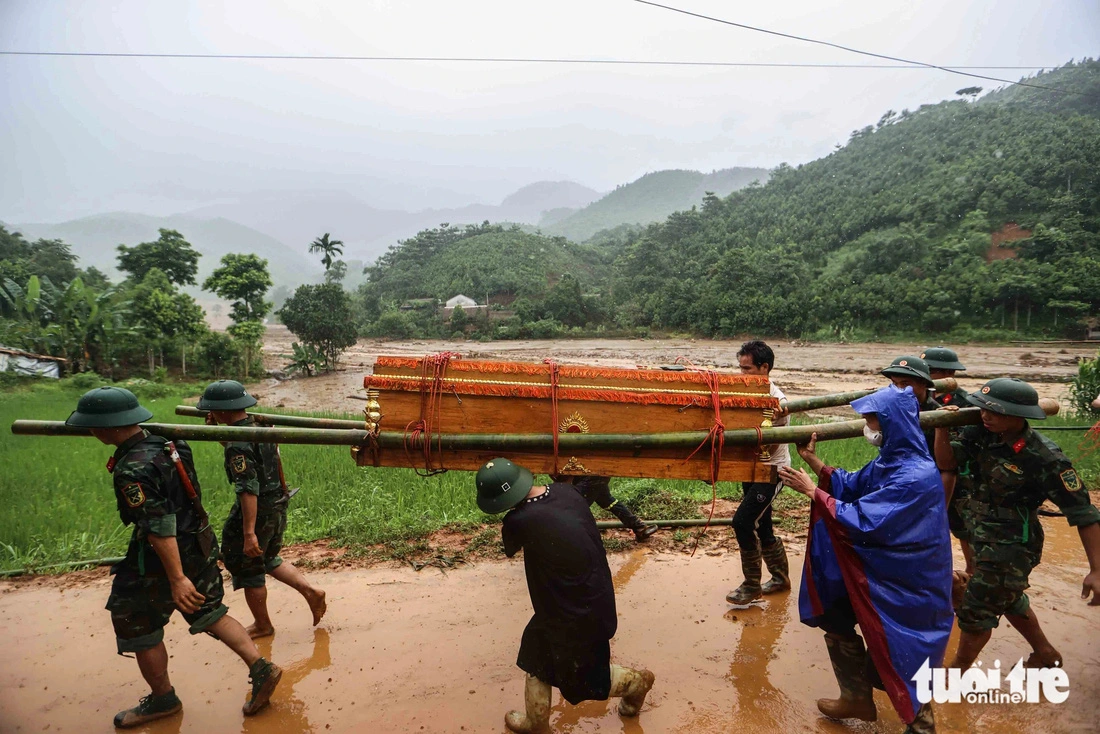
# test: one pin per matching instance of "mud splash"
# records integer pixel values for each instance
(433, 652)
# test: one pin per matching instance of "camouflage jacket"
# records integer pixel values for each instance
(955, 397)
(1010, 481)
(254, 467)
(151, 497)
(929, 433)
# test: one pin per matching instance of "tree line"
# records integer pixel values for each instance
(147, 322)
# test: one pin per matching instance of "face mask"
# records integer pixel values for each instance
(873, 437)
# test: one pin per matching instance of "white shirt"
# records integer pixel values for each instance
(780, 452)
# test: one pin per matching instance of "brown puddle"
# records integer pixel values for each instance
(406, 652)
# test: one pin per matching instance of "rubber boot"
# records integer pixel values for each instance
(263, 676)
(536, 699)
(849, 659)
(925, 723)
(750, 566)
(632, 685)
(149, 708)
(775, 556)
(630, 520)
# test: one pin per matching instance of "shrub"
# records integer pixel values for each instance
(86, 381)
(1085, 386)
(321, 316)
(217, 351)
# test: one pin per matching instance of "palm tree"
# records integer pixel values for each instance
(329, 249)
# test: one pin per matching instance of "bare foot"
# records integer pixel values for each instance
(317, 605)
(257, 632)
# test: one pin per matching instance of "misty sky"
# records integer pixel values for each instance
(82, 135)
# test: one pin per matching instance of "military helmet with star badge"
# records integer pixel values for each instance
(108, 407)
(909, 367)
(501, 485)
(225, 395)
(1009, 396)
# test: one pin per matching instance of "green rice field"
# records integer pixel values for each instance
(57, 504)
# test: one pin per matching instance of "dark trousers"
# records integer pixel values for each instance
(839, 619)
(754, 516)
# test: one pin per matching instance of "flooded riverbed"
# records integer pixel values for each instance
(401, 651)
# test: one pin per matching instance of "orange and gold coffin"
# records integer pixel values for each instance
(445, 394)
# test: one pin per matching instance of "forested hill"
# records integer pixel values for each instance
(475, 261)
(649, 199)
(892, 231)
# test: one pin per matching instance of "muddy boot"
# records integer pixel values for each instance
(632, 685)
(149, 708)
(775, 557)
(263, 676)
(750, 590)
(536, 698)
(630, 520)
(925, 723)
(849, 660)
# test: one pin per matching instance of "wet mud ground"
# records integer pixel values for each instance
(401, 651)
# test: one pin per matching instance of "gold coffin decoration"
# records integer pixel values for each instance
(448, 394)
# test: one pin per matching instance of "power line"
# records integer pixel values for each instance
(491, 59)
(950, 70)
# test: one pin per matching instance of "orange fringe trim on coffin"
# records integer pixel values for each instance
(595, 394)
(578, 371)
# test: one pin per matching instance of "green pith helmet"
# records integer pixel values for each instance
(1009, 396)
(909, 367)
(941, 358)
(225, 395)
(108, 407)
(501, 485)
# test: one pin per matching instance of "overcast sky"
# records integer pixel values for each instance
(83, 135)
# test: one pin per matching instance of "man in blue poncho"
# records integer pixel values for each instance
(878, 555)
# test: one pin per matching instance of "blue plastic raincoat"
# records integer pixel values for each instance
(879, 537)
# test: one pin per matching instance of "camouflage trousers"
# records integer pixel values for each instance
(997, 586)
(140, 606)
(958, 512)
(250, 572)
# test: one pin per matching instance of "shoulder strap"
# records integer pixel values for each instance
(188, 487)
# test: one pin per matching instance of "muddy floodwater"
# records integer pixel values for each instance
(402, 651)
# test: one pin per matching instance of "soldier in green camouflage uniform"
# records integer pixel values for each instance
(912, 372)
(253, 532)
(1014, 469)
(944, 363)
(171, 562)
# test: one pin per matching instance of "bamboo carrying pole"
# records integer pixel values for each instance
(511, 442)
(835, 399)
(691, 523)
(276, 419)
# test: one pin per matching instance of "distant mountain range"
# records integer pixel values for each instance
(296, 218)
(94, 239)
(649, 199)
(280, 225)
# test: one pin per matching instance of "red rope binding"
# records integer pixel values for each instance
(555, 372)
(1093, 436)
(418, 434)
(716, 437)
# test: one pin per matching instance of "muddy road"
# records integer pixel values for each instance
(802, 369)
(401, 651)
